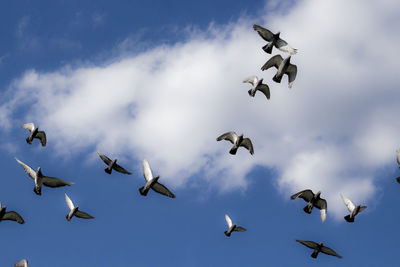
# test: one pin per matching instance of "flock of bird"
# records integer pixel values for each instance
(283, 67)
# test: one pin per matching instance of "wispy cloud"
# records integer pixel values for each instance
(330, 132)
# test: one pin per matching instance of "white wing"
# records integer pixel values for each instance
(350, 205)
(323, 215)
(22, 263)
(288, 49)
(252, 79)
(27, 169)
(69, 202)
(148, 175)
(228, 220)
(398, 157)
(29, 126)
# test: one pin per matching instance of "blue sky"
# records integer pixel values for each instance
(162, 81)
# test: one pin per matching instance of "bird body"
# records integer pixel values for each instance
(34, 133)
(313, 200)
(112, 164)
(257, 86)
(237, 141)
(152, 182)
(283, 67)
(74, 210)
(273, 40)
(353, 209)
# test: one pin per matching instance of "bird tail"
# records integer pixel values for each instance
(277, 79)
(307, 209)
(227, 233)
(398, 179)
(233, 150)
(66, 217)
(348, 218)
(268, 48)
(143, 192)
(250, 93)
(37, 190)
(28, 141)
(314, 254)
(107, 170)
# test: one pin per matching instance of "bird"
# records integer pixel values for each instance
(319, 248)
(74, 211)
(398, 157)
(10, 215)
(232, 227)
(313, 201)
(273, 40)
(353, 209)
(35, 133)
(257, 86)
(152, 182)
(22, 263)
(283, 66)
(112, 164)
(237, 141)
(40, 179)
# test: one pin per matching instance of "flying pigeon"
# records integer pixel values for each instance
(232, 227)
(40, 179)
(74, 211)
(237, 141)
(318, 248)
(257, 86)
(112, 164)
(22, 263)
(152, 182)
(283, 66)
(10, 215)
(35, 133)
(353, 209)
(274, 40)
(313, 201)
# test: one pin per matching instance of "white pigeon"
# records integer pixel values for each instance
(74, 211)
(152, 182)
(34, 133)
(353, 209)
(232, 227)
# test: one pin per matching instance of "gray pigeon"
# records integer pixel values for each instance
(40, 179)
(74, 211)
(353, 209)
(232, 227)
(112, 164)
(273, 40)
(22, 263)
(237, 141)
(152, 182)
(313, 201)
(318, 248)
(283, 66)
(10, 215)
(34, 133)
(257, 86)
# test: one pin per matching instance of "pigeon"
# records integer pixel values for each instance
(283, 66)
(273, 40)
(237, 141)
(74, 211)
(152, 182)
(35, 133)
(353, 209)
(232, 227)
(313, 201)
(10, 215)
(40, 179)
(112, 164)
(22, 263)
(257, 86)
(318, 248)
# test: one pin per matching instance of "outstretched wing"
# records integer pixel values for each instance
(248, 145)
(252, 79)
(307, 195)
(54, 182)
(350, 205)
(42, 136)
(21, 263)
(118, 168)
(265, 90)
(362, 208)
(27, 169)
(291, 72)
(228, 220)
(310, 244)
(70, 204)
(329, 251)
(230, 136)
(83, 215)
(13, 216)
(159, 188)
(264, 33)
(239, 229)
(285, 47)
(147, 173)
(29, 126)
(106, 159)
(323, 206)
(274, 61)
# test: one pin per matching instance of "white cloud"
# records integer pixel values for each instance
(330, 132)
